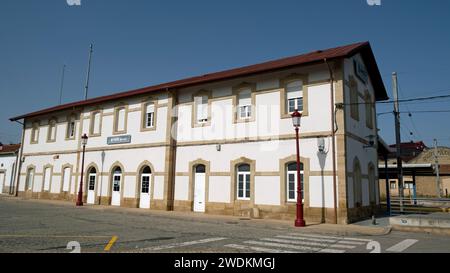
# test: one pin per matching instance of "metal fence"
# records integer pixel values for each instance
(411, 205)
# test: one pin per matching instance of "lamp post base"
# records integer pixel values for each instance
(300, 223)
(79, 204)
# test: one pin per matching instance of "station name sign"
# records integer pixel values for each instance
(119, 140)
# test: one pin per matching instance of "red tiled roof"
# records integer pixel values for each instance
(8, 149)
(313, 57)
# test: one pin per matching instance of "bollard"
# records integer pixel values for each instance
(374, 220)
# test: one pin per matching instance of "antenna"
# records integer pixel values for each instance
(86, 88)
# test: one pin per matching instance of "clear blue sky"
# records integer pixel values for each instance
(140, 43)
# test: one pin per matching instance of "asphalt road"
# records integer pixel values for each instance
(49, 227)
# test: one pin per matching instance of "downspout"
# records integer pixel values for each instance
(19, 157)
(333, 139)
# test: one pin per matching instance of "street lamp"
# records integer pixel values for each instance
(299, 221)
(84, 140)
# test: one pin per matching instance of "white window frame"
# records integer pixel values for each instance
(302, 174)
(149, 116)
(201, 109)
(295, 99)
(245, 174)
(148, 175)
(119, 175)
(71, 128)
(94, 175)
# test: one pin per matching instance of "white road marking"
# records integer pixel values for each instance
(402, 246)
(319, 240)
(330, 237)
(176, 245)
(308, 243)
(259, 249)
(303, 248)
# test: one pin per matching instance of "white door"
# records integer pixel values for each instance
(115, 201)
(145, 191)
(199, 192)
(91, 188)
(2, 180)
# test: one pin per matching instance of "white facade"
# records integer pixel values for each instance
(237, 131)
(8, 163)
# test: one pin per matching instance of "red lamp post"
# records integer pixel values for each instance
(84, 140)
(299, 221)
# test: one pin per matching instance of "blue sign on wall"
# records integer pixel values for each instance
(119, 140)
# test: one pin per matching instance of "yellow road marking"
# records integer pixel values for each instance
(111, 243)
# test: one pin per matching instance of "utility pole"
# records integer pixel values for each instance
(436, 161)
(86, 87)
(398, 140)
(62, 85)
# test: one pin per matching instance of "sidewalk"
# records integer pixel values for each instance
(362, 228)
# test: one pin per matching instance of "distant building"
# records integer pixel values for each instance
(8, 164)
(419, 171)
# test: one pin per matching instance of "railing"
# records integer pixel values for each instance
(410, 205)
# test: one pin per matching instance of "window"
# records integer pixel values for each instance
(294, 96)
(409, 185)
(369, 111)
(357, 185)
(149, 116)
(47, 178)
(292, 181)
(243, 182)
(95, 129)
(66, 179)
(372, 193)
(245, 103)
(120, 120)
(393, 185)
(29, 180)
(145, 180)
(92, 178)
(51, 135)
(354, 106)
(117, 177)
(200, 169)
(71, 128)
(35, 133)
(201, 107)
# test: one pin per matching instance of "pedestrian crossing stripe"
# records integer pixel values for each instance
(308, 243)
(296, 247)
(330, 237)
(259, 249)
(319, 240)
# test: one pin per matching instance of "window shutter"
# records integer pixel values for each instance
(202, 107)
(121, 120)
(294, 90)
(66, 179)
(150, 108)
(245, 97)
(47, 179)
(96, 123)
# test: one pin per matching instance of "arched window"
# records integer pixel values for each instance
(145, 179)
(354, 106)
(372, 184)
(117, 177)
(71, 127)
(294, 96)
(92, 178)
(47, 178)
(29, 179)
(291, 176)
(35, 133)
(200, 169)
(67, 173)
(51, 135)
(243, 182)
(357, 183)
(369, 110)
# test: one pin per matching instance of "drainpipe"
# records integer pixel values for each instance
(333, 138)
